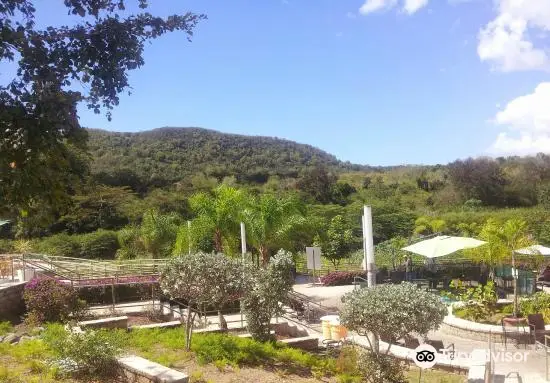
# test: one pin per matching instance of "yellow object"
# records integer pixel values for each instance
(326, 325)
(337, 331)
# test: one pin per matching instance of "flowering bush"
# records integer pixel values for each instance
(49, 300)
(338, 278)
(392, 312)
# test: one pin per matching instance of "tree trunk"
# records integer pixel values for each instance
(264, 252)
(188, 328)
(223, 322)
(218, 244)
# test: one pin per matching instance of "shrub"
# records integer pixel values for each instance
(378, 368)
(268, 288)
(223, 349)
(6, 246)
(101, 244)
(5, 327)
(392, 312)
(538, 303)
(88, 353)
(49, 300)
(479, 302)
(62, 245)
(339, 278)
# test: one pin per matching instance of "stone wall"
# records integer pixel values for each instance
(12, 305)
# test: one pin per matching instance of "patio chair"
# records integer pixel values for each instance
(439, 346)
(518, 332)
(537, 329)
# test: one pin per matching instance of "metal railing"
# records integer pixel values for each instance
(83, 272)
(306, 308)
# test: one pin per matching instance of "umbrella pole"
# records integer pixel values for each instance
(515, 275)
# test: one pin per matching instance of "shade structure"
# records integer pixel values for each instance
(3, 222)
(442, 245)
(534, 250)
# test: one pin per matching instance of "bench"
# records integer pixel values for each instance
(136, 367)
(172, 324)
(114, 322)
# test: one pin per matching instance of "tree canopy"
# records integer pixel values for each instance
(40, 136)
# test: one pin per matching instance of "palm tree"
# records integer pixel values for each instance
(502, 241)
(219, 214)
(270, 221)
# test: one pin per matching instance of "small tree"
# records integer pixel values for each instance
(502, 242)
(390, 251)
(201, 279)
(391, 312)
(270, 221)
(338, 241)
(219, 214)
(268, 288)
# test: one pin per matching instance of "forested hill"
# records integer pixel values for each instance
(167, 155)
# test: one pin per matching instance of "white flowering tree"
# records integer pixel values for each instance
(268, 288)
(203, 279)
(391, 312)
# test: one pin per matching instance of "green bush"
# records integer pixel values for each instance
(213, 347)
(479, 302)
(62, 245)
(5, 327)
(538, 303)
(90, 353)
(6, 246)
(101, 244)
(49, 300)
(376, 368)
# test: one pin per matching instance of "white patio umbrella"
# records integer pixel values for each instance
(534, 250)
(442, 245)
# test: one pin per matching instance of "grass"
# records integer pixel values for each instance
(165, 346)
(27, 362)
(218, 355)
(433, 376)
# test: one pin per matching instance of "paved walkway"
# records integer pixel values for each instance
(531, 369)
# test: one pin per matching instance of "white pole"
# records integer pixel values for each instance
(189, 235)
(369, 246)
(243, 251)
(243, 240)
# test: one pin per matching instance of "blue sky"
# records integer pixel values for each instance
(379, 82)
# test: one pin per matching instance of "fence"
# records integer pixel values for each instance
(80, 272)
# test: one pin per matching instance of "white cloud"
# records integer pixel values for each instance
(411, 6)
(351, 15)
(527, 122)
(505, 41)
(408, 6)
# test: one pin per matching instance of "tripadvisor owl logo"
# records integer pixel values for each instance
(425, 356)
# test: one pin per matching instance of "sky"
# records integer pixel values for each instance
(378, 82)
